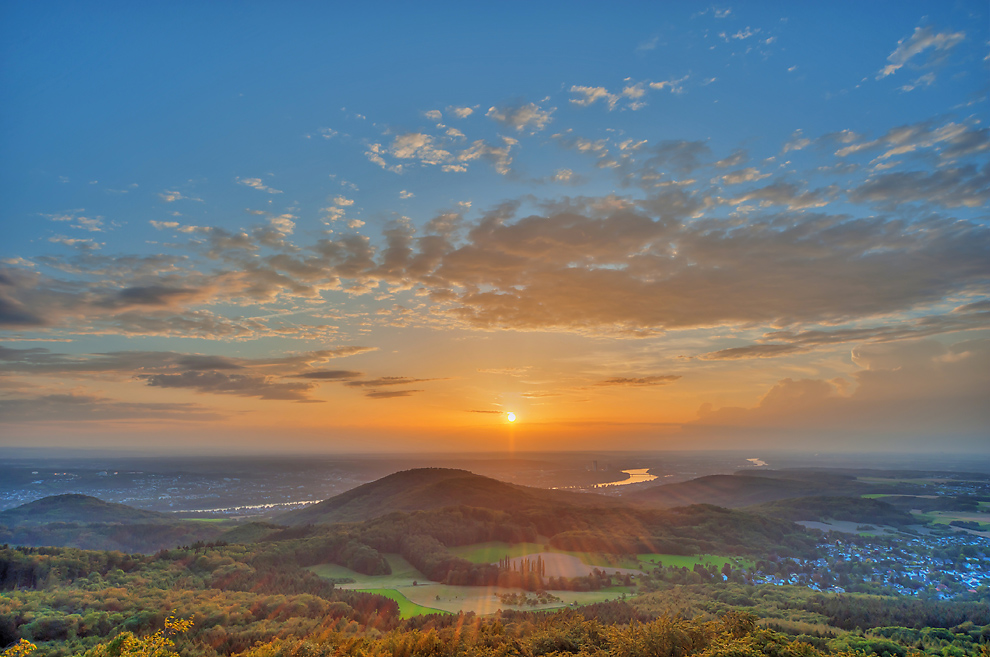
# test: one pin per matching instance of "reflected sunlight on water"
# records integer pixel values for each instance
(636, 476)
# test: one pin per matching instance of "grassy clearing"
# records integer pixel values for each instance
(492, 551)
(894, 481)
(407, 608)
(403, 574)
(683, 561)
(484, 599)
(430, 597)
(207, 519)
(946, 517)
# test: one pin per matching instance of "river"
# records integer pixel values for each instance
(636, 476)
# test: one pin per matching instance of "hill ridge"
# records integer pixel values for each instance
(421, 489)
(76, 508)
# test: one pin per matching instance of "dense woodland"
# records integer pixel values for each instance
(247, 591)
(257, 599)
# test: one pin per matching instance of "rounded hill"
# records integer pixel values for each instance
(433, 488)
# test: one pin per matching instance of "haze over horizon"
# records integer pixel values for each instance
(323, 228)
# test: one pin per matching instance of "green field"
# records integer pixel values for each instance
(946, 517)
(682, 561)
(407, 608)
(207, 519)
(430, 597)
(492, 551)
(403, 574)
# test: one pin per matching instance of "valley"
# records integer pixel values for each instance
(423, 544)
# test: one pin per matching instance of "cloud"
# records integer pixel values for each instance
(329, 375)
(950, 141)
(797, 142)
(491, 412)
(499, 156)
(909, 391)
(643, 381)
(374, 154)
(172, 196)
(390, 394)
(40, 360)
(75, 243)
(530, 117)
(679, 156)
(753, 351)
(419, 146)
(385, 381)
(241, 385)
(76, 219)
(74, 407)
(257, 183)
(622, 269)
(749, 174)
(460, 112)
(926, 80)
(649, 44)
(785, 194)
(403, 194)
(737, 158)
(149, 295)
(954, 187)
(922, 39)
(674, 85)
(566, 177)
(510, 371)
(972, 316)
(633, 93)
(589, 95)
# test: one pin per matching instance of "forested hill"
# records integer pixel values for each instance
(90, 523)
(853, 509)
(435, 488)
(77, 509)
(739, 490)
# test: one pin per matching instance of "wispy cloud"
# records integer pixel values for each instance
(528, 117)
(923, 38)
(257, 183)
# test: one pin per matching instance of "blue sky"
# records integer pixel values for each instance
(722, 221)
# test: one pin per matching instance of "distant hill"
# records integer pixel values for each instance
(434, 488)
(853, 509)
(80, 509)
(745, 489)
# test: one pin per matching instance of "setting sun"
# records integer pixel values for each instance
(511, 417)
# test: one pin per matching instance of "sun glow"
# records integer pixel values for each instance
(510, 416)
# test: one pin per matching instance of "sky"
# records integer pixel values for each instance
(355, 227)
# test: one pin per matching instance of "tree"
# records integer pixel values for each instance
(20, 649)
(159, 644)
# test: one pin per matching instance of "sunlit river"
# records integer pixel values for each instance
(636, 476)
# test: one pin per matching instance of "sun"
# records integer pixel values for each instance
(510, 416)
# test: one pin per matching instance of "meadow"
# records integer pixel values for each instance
(416, 595)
